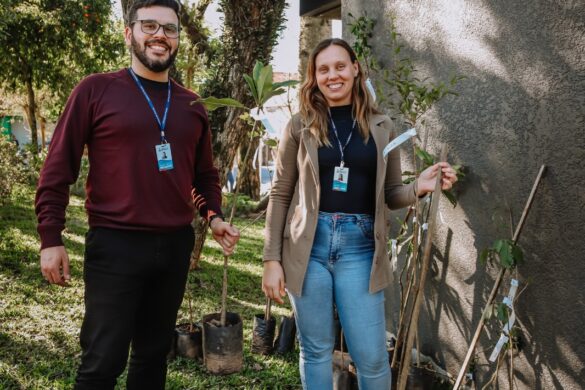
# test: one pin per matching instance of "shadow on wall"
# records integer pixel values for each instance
(522, 104)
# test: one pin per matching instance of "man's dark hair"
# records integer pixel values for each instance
(136, 5)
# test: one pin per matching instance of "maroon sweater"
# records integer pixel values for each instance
(125, 190)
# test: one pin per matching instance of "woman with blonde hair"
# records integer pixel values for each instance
(326, 222)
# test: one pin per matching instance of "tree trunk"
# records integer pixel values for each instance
(255, 21)
(43, 132)
(250, 185)
(313, 31)
(200, 230)
(31, 115)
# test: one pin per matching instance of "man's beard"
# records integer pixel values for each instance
(156, 66)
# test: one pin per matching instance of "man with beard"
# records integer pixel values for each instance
(150, 161)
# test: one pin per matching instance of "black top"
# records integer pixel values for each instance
(361, 160)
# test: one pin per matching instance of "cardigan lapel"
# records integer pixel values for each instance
(381, 138)
(311, 147)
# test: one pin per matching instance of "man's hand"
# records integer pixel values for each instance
(225, 234)
(55, 265)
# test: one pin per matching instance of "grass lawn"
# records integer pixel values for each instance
(39, 323)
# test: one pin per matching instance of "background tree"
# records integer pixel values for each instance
(250, 31)
(49, 45)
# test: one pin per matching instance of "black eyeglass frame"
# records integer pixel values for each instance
(142, 21)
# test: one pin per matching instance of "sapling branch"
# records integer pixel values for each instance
(243, 171)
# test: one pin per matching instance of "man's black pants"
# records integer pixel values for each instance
(134, 285)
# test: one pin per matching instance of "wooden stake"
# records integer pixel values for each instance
(243, 171)
(497, 282)
(405, 364)
(267, 309)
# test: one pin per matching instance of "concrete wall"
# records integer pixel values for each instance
(522, 104)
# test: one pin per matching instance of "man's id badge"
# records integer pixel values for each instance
(340, 177)
(164, 157)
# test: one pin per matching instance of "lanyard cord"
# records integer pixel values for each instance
(341, 148)
(161, 124)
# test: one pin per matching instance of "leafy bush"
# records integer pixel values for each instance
(31, 164)
(10, 173)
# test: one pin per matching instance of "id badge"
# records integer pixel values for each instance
(340, 178)
(164, 157)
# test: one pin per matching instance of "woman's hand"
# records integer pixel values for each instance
(427, 178)
(273, 281)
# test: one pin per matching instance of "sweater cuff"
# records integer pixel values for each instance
(50, 236)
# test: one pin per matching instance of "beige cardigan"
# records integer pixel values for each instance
(291, 219)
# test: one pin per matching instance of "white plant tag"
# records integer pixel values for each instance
(513, 289)
(371, 88)
(510, 324)
(503, 340)
(394, 259)
(508, 302)
(399, 141)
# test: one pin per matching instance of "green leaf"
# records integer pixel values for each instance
(256, 72)
(502, 311)
(284, 84)
(517, 254)
(450, 197)
(264, 84)
(212, 103)
(506, 255)
(483, 256)
(497, 246)
(425, 156)
(271, 143)
(252, 86)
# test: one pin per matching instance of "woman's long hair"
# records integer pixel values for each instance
(313, 105)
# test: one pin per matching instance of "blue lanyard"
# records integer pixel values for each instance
(162, 124)
(341, 148)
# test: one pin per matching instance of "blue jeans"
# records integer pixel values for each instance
(339, 274)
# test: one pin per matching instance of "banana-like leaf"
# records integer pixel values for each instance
(252, 86)
(284, 84)
(264, 84)
(256, 72)
(212, 103)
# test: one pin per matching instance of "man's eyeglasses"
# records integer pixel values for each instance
(151, 27)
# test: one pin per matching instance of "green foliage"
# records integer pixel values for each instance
(244, 205)
(505, 252)
(407, 95)
(46, 47)
(428, 160)
(362, 29)
(10, 173)
(213, 103)
(260, 86)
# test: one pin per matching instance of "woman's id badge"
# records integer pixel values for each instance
(340, 177)
(164, 157)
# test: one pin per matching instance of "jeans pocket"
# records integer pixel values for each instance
(366, 225)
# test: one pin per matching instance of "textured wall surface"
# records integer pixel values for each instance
(522, 105)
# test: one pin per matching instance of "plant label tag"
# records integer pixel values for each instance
(503, 340)
(510, 324)
(399, 141)
(394, 250)
(340, 178)
(508, 302)
(371, 89)
(513, 289)
(164, 157)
